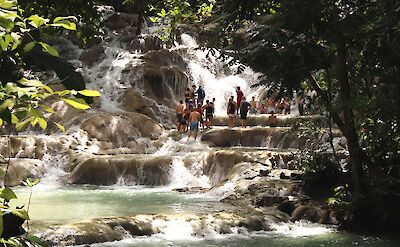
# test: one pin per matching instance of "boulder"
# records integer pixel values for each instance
(251, 137)
(255, 223)
(130, 169)
(120, 20)
(219, 164)
(21, 169)
(92, 55)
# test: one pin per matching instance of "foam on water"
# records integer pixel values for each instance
(301, 229)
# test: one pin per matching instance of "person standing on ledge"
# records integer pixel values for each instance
(239, 95)
(209, 108)
(231, 112)
(272, 120)
(194, 120)
(244, 109)
(253, 105)
(179, 114)
(200, 95)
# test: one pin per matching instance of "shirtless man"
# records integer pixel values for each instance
(272, 120)
(253, 105)
(194, 120)
(179, 114)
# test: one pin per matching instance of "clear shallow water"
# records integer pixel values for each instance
(67, 204)
(263, 240)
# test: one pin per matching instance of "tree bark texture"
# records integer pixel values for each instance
(357, 155)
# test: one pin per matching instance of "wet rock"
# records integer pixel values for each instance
(95, 171)
(255, 223)
(268, 200)
(306, 212)
(121, 130)
(287, 207)
(121, 20)
(107, 170)
(21, 169)
(251, 137)
(283, 176)
(133, 101)
(92, 55)
(219, 164)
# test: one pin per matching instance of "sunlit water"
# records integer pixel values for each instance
(68, 204)
(263, 240)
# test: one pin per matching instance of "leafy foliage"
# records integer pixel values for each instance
(21, 99)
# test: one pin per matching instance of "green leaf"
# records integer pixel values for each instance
(1, 223)
(37, 241)
(7, 194)
(21, 213)
(14, 119)
(42, 123)
(37, 21)
(6, 4)
(31, 183)
(1, 122)
(22, 125)
(154, 19)
(65, 22)
(63, 93)
(7, 103)
(47, 108)
(49, 49)
(90, 93)
(59, 126)
(30, 83)
(28, 47)
(77, 103)
(48, 89)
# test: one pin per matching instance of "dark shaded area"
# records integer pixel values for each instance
(12, 226)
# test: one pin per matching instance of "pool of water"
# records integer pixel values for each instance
(67, 204)
(262, 240)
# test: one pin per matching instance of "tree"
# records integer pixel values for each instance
(348, 51)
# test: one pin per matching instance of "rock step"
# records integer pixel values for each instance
(282, 120)
(267, 137)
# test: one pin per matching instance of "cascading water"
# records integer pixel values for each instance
(218, 80)
(172, 218)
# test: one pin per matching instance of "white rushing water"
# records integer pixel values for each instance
(218, 80)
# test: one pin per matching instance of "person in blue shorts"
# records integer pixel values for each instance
(194, 121)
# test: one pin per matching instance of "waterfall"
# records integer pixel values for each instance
(218, 80)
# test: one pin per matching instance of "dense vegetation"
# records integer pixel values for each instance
(349, 52)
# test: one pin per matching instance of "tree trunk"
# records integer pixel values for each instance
(357, 155)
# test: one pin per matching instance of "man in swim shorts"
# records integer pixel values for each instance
(194, 120)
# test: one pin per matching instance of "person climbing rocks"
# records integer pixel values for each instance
(179, 114)
(187, 97)
(209, 108)
(200, 110)
(239, 95)
(253, 105)
(185, 120)
(271, 105)
(231, 112)
(200, 95)
(194, 120)
(244, 109)
(272, 120)
(193, 94)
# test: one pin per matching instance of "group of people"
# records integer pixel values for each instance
(307, 102)
(242, 107)
(194, 113)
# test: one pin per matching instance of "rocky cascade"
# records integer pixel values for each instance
(128, 138)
